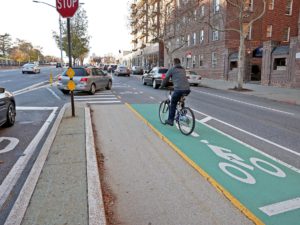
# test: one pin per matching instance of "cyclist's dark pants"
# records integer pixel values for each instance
(175, 98)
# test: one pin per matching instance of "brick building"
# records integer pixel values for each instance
(200, 32)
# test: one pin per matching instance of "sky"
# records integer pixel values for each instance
(35, 22)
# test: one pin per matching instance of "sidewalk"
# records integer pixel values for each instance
(287, 95)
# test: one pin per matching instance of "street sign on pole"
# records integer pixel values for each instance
(67, 8)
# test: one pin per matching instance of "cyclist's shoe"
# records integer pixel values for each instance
(169, 122)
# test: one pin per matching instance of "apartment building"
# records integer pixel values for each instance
(204, 34)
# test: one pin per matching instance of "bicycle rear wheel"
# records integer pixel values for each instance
(163, 111)
(186, 121)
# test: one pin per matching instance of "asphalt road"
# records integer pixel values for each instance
(268, 125)
(38, 104)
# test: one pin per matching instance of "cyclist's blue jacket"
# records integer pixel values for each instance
(179, 78)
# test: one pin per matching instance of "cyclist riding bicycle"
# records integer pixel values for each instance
(181, 87)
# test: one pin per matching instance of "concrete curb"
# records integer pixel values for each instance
(19, 209)
(95, 200)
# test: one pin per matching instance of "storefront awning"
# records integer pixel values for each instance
(233, 56)
(258, 52)
(281, 50)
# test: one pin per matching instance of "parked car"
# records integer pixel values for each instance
(193, 77)
(122, 70)
(88, 79)
(58, 65)
(7, 108)
(31, 68)
(137, 70)
(155, 76)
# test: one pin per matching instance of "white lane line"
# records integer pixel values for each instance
(281, 207)
(32, 87)
(54, 94)
(91, 99)
(245, 103)
(100, 102)
(254, 135)
(206, 119)
(14, 174)
(251, 147)
(35, 108)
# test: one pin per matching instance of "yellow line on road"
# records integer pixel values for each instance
(214, 183)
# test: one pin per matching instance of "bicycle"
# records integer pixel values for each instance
(184, 116)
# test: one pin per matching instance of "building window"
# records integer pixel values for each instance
(194, 62)
(289, 7)
(269, 31)
(215, 35)
(201, 58)
(213, 59)
(201, 36)
(279, 64)
(194, 39)
(248, 5)
(216, 5)
(202, 9)
(286, 34)
(188, 40)
(271, 4)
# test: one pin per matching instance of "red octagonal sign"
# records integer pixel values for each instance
(67, 8)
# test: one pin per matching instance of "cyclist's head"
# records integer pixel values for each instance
(176, 61)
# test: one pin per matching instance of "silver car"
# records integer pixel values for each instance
(86, 79)
(31, 68)
(7, 108)
(193, 77)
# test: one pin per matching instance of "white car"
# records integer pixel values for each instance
(31, 68)
(193, 77)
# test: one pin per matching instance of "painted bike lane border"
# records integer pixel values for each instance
(264, 189)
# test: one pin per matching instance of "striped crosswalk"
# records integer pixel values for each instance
(102, 97)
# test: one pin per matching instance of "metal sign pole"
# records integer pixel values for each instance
(70, 64)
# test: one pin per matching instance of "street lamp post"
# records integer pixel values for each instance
(60, 31)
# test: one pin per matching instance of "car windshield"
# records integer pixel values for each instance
(29, 64)
(79, 72)
(162, 70)
(192, 73)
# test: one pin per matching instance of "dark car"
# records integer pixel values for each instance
(88, 79)
(155, 76)
(58, 65)
(112, 68)
(7, 108)
(137, 70)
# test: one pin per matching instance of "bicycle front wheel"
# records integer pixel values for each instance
(186, 121)
(163, 111)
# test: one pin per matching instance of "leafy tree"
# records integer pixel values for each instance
(25, 52)
(79, 36)
(5, 44)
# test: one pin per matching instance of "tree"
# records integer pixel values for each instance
(79, 36)
(5, 44)
(237, 16)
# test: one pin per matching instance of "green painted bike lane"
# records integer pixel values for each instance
(265, 189)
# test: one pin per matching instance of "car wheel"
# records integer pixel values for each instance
(143, 81)
(10, 116)
(23, 72)
(93, 89)
(154, 84)
(109, 85)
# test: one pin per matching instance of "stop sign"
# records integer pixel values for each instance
(67, 8)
